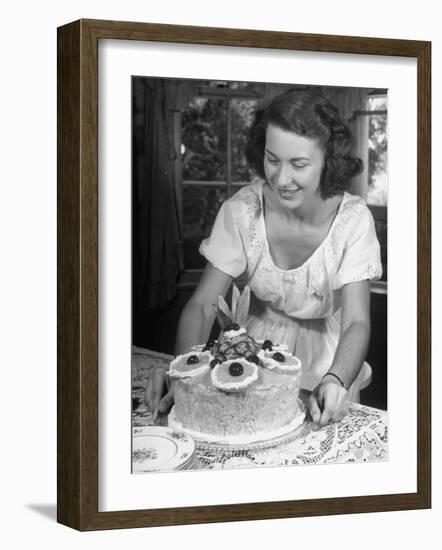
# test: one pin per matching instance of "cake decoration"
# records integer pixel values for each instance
(236, 369)
(267, 345)
(235, 375)
(274, 346)
(280, 361)
(190, 364)
(234, 340)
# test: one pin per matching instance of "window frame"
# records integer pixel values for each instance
(379, 212)
(189, 278)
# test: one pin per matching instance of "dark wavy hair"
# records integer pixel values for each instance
(306, 111)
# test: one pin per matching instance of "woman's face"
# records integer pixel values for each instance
(293, 167)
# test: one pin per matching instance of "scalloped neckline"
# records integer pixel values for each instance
(317, 249)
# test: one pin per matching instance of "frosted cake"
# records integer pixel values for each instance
(236, 390)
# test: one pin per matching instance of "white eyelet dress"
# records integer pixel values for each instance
(299, 307)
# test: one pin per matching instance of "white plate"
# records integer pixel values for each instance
(155, 448)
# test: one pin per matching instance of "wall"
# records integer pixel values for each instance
(28, 281)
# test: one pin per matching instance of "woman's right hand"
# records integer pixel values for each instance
(156, 396)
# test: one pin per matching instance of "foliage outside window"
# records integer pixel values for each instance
(214, 131)
(377, 150)
(377, 193)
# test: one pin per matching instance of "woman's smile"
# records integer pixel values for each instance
(288, 193)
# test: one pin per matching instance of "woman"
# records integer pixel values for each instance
(307, 247)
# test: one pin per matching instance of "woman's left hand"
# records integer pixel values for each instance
(327, 401)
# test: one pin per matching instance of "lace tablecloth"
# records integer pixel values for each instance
(361, 436)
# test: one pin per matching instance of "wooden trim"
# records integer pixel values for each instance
(208, 91)
(424, 274)
(379, 287)
(363, 112)
(77, 222)
(217, 36)
(68, 277)
(78, 276)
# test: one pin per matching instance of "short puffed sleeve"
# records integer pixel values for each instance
(361, 254)
(224, 248)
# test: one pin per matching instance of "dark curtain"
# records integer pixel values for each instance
(156, 231)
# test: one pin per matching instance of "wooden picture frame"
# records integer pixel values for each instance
(77, 461)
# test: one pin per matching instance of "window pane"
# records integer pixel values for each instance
(377, 160)
(204, 127)
(377, 103)
(242, 113)
(200, 206)
(252, 88)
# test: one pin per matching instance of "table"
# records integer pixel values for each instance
(361, 436)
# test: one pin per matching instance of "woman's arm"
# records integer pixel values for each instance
(199, 314)
(327, 398)
(355, 332)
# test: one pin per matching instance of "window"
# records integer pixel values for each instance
(377, 150)
(214, 133)
(376, 112)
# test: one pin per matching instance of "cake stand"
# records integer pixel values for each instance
(253, 442)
